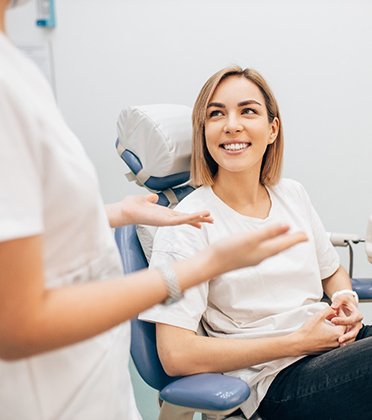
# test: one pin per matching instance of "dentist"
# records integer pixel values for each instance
(64, 339)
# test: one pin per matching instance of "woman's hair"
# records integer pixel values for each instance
(203, 166)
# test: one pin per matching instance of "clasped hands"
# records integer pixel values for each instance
(346, 314)
(336, 326)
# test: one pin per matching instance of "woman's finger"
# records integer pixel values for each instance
(350, 335)
(348, 320)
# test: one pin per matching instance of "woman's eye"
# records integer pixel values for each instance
(215, 113)
(248, 111)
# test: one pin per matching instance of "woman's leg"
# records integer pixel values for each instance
(335, 385)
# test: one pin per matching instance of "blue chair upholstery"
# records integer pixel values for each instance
(364, 288)
(153, 183)
(200, 392)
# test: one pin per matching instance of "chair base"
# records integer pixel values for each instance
(177, 412)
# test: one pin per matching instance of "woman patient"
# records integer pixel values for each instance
(302, 357)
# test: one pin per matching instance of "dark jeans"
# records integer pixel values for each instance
(335, 385)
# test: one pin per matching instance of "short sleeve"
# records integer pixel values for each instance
(328, 259)
(174, 243)
(20, 177)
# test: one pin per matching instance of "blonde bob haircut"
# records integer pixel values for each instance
(203, 166)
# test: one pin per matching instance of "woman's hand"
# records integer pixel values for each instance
(318, 334)
(139, 209)
(348, 315)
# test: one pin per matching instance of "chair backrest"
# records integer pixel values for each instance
(155, 143)
(143, 339)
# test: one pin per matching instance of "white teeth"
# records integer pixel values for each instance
(235, 146)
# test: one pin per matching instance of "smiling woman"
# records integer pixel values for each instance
(238, 132)
(252, 103)
(264, 323)
(241, 134)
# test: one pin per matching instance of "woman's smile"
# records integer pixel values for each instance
(234, 147)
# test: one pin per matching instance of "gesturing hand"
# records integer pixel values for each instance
(139, 209)
(347, 314)
(253, 247)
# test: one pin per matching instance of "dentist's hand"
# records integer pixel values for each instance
(347, 315)
(253, 247)
(139, 209)
(234, 252)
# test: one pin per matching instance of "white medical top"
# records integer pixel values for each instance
(274, 298)
(49, 187)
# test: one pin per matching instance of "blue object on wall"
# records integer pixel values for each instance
(46, 17)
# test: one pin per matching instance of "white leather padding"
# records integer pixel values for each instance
(159, 135)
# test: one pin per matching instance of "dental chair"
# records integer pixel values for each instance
(155, 143)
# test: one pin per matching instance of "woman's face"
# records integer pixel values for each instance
(237, 129)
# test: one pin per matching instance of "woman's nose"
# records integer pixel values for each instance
(232, 125)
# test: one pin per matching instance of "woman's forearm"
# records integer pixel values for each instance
(338, 281)
(183, 352)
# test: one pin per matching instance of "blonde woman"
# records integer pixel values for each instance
(264, 324)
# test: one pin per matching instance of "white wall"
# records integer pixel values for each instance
(317, 56)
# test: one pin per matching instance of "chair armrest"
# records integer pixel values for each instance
(364, 288)
(208, 391)
(342, 239)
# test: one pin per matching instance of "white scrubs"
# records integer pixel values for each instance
(49, 187)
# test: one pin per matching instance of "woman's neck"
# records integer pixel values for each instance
(243, 192)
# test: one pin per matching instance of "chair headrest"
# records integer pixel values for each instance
(155, 143)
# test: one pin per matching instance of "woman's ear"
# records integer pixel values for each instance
(274, 130)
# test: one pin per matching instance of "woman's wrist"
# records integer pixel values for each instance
(294, 344)
(346, 292)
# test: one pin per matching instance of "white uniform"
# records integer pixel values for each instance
(49, 187)
(274, 298)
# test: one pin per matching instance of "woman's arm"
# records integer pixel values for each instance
(340, 280)
(139, 209)
(34, 319)
(182, 352)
